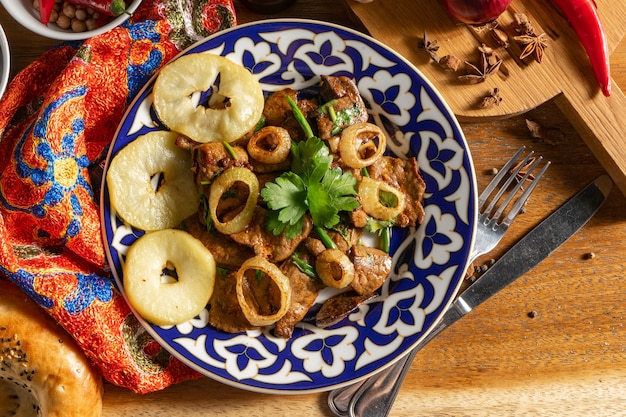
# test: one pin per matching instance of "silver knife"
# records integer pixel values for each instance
(537, 245)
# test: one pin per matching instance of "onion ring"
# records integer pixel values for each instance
(270, 145)
(221, 185)
(369, 195)
(333, 263)
(357, 140)
(248, 304)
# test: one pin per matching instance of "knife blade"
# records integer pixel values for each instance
(537, 245)
(528, 252)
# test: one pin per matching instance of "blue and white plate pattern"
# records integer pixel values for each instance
(429, 261)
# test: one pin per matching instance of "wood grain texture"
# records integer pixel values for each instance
(565, 72)
(524, 85)
(567, 360)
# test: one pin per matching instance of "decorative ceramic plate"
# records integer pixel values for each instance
(429, 261)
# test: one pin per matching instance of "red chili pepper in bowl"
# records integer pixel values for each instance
(583, 17)
(108, 7)
(45, 10)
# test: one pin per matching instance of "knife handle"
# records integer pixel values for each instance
(382, 388)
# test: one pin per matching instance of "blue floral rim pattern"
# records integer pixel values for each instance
(429, 260)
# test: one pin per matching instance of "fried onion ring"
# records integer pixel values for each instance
(370, 196)
(250, 284)
(270, 145)
(334, 268)
(220, 186)
(361, 144)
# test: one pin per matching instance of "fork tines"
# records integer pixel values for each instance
(513, 176)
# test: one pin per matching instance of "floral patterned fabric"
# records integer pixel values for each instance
(57, 119)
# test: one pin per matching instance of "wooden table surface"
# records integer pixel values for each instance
(552, 343)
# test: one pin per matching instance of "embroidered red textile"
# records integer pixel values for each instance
(57, 118)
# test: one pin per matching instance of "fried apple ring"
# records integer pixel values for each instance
(131, 182)
(168, 276)
(234, 107)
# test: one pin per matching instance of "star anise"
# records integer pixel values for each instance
(430, 46)
(490, 55)
(489, 65)
(533, 44)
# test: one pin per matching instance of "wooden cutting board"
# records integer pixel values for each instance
(565, 73)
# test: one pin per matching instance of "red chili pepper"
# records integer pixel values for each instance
(45, 10)
(583, 17)
(109, 7)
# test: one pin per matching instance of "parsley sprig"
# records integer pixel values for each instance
(311, 186)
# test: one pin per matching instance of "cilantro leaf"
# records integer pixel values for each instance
(377, 226)
(310, 187)
(277, 227)
(332, 195)
(286, 194)
(388, 199)
(340, 185)
(320, 206)
(383, 229)
(311, 159)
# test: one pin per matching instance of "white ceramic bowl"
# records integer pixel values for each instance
(26, 15)
(5, 61)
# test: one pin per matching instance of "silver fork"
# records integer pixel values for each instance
(344, 401)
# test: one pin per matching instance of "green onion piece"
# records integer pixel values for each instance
(332, 114)
(230, 150)
(305, 267)
(208, 221)
(222, 271)
(326, 108)
(385, 239)
(326, 240)
(260, 124)
(300, 118)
